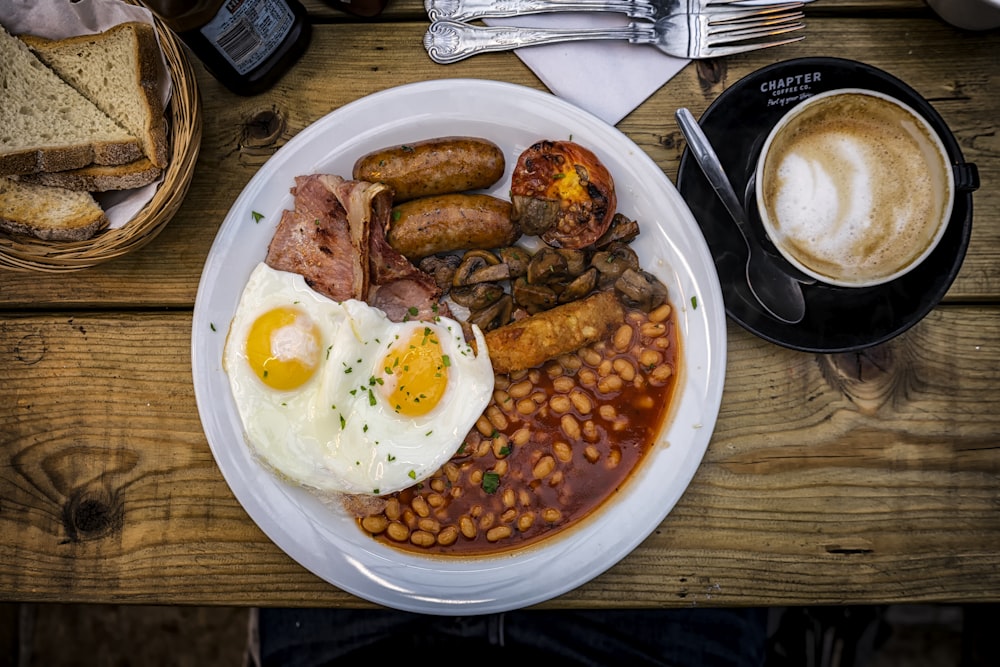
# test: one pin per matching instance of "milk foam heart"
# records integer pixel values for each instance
(854, 188)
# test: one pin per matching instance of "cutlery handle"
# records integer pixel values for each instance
(448, 41)
(468, 10)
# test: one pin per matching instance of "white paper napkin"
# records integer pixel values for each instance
(607, 78)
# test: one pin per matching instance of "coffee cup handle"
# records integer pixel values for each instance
(966, 177)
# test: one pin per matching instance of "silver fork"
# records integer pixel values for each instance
(652, 10)
(685, 36)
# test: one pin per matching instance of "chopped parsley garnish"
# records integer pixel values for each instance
(694, 302)
(491, 482)
(412, 474)
(257, 217)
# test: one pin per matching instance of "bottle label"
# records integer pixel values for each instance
(246, 32)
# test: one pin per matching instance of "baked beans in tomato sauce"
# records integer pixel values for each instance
(552, 446)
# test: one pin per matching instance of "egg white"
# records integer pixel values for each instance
(336, 432)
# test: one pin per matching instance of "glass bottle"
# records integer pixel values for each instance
(246, 44)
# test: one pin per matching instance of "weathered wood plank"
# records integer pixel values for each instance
(830, 478)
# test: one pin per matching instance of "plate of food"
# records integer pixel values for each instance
(461, 358)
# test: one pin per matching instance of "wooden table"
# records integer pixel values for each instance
(847, 478)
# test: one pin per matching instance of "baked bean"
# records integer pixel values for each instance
(610, 384)
(520, 437)
(563, 384)
(570, 427)
(525, 521)
(551, 515)
(476, 477)
(496, 418)
(450, 471)
(544, 467)
(592, 454)
(540, 397)
(429, 525)
(438, 484)
(457, 491)
(653, 329)
(476, 511)
(605, 368)
(614, 457)
(644, 402)
(581, 402)
(560, 404)
(501, 381)
(620, 425)
(591, 356)
(635, 317)
(502, 398)
(607, 411)
(588, 378)
(508, 515)
(484, 448)
(419, 505)
(375, 523)
(409, 518)
(660, 313)
(468, 527)
(625, 369)
(487, 520)
(571, 362)
(662, 342)
(435, 500)
(498, 533)
(534, 376)
(392, 509)
(484, 426)
(500, 467)
(509, 498)
(556, 478)
(661, 373)
(526, 406)
(563, 451)
(623, 337)
(397, 531)
(590, 431)
(500, 446)
(554, 369)
(422, 538)
(520, 390)
(650, 359)
(524, 497)
(447, 536)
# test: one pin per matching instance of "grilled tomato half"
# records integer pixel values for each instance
(561, 192)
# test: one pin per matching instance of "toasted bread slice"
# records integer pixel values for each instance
(119, 70)
(50, 214)
(46, 125)
(99, 178)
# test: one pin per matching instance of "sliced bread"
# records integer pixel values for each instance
(119, 70)
(46, 125)
(99, 178)
(47, 213)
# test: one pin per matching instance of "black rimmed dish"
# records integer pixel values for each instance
(837, 319)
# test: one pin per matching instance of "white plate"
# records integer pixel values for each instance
(326, 540)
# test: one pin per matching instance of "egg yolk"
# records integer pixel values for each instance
(283, 348)
(415, 374)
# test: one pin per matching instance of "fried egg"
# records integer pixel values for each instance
(338, 398)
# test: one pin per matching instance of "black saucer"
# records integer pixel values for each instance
(837, 319)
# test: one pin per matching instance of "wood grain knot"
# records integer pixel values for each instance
(90, 515)
(869, 378)
(711, 74)
(263, 129)
(30, 349)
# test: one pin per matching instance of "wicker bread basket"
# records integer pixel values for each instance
(184, 135)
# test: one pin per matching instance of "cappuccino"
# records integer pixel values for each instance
(854, 188)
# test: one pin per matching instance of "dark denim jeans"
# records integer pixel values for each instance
(696, 637)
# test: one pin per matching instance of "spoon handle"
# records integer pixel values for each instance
(709, 162)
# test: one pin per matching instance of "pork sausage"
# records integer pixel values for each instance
(433, 166)
(430, 225)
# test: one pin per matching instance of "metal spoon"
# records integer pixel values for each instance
(779, 293)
